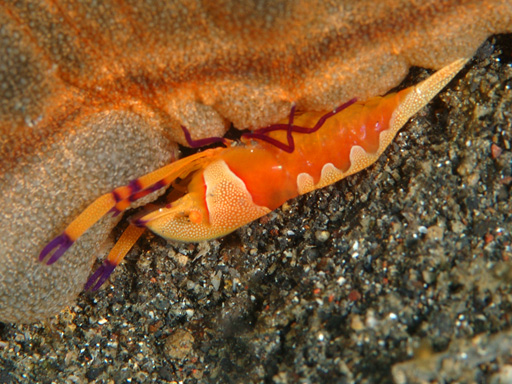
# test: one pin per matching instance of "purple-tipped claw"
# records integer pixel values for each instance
(100, 276)
(60, 244)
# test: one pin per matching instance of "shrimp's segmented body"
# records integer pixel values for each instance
(227, 188)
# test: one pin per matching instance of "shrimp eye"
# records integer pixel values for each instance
(195, 217)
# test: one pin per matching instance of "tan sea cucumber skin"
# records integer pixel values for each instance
(45, 190)
(88, 96)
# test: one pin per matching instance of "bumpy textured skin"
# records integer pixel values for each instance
(70, 72)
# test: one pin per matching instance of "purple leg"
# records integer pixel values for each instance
(139, 222)
(322, 120)
(100, 276)
(60, 244)
(260, 134)
(201, 142)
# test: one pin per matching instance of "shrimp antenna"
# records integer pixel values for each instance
(201, 142)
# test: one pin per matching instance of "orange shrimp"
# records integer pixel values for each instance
(230, 187)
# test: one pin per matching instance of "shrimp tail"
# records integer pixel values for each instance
(421, 95)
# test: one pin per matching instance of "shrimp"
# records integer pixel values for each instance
(228, 187)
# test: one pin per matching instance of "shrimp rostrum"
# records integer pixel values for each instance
(228, 187)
